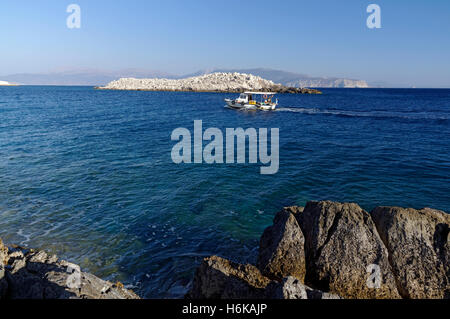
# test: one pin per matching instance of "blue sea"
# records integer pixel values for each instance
(88, 174)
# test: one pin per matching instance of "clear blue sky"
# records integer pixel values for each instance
(320, 37)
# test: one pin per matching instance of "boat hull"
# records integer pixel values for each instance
(243, 106)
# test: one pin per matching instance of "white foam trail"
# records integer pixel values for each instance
(375, 114)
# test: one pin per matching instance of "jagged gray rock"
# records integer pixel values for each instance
(341, 242)
(218, 278)
(390, 253)
(30, 274)
(418, 245)
(281, 248)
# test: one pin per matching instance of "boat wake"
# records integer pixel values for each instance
(372, 114)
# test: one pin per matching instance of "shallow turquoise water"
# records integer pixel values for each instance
(88, 174)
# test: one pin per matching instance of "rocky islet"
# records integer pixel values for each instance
(221, 82)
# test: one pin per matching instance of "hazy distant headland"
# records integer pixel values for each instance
(4, 83)
(214, 82)
(100, 78)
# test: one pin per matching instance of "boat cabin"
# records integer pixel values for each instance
(261, 98)
(254, 100)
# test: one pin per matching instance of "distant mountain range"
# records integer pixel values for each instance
(99, 78)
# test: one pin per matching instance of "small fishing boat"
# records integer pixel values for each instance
(254, 101)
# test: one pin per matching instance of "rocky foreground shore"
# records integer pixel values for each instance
(332, 250)
(326, 250)
(30, 274)
(214, 82)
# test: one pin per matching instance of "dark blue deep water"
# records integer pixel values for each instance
(88, 175)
